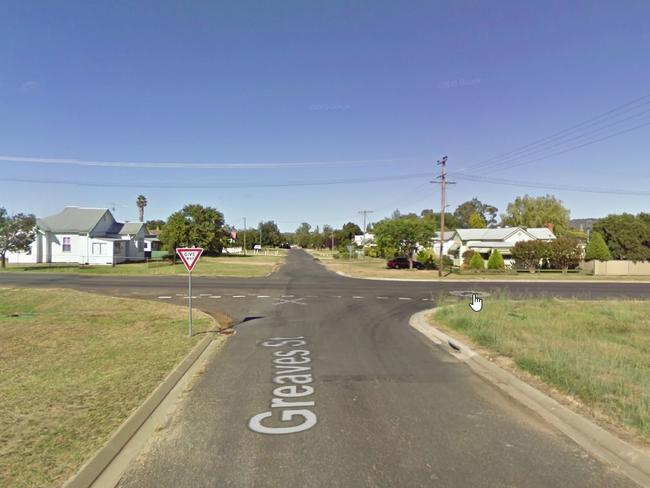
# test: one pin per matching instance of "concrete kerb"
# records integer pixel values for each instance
(93, 468)
(602, 444)
(486, 281)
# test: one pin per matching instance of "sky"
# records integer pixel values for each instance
(373, 92)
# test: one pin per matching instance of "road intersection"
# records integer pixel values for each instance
(384, 407)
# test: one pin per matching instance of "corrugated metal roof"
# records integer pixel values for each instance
(73, 220)
(540, 232)
(130, 228)
(497, 234)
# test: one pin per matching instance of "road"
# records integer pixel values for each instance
(379, 405)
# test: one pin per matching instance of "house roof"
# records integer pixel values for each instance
(497, 234)
(448, 235)
(130, 228)
(72, 220)
(541, 232)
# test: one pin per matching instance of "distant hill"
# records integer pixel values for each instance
(582, 224)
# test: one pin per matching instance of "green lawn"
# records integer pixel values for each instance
(596, 351)
(73, 366)
(232, 265)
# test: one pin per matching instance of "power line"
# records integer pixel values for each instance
(189, 165)
(552, 186)
(563, 132)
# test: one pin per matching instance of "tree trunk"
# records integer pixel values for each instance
(4, 263)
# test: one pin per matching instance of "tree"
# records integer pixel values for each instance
(271, 235)
(627, 236)
(141, 202)
(16, 233)
(154, 224)
(477, 262)
(465, 210)
(530, 211)
(564, 253)
(427, 257)
(528, 254)
(302, 235)
(597, 248)
(496, 260)
(476, 221)
(402, 236)
(195, 225)
(317, 240)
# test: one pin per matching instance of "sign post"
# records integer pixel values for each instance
(189, 256)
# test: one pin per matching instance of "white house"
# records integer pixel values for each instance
(503, 239)
(364, 239)
(447, 242)
(84, 236)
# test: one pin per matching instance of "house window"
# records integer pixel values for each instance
(67, 247)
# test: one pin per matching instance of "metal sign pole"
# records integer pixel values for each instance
(190, 299)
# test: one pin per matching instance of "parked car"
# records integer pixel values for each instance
(402, 262)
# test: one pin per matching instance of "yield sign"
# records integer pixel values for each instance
(189, 255)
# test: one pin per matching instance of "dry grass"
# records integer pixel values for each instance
(596, 351)
(73, 366)
(241, 266)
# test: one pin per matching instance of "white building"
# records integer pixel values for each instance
(84, 236)
(503, 239)
(364, 239)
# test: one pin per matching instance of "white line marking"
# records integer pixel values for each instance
(263, 296)
(425, 299)
(187, 298)
(381, 298)
(179, 295)
(357, 297)
(288, 296)
(215, 296)
(164, 297)
(239, 296)
(403, 298)
(336, 296)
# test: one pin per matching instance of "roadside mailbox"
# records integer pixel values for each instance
(189, 256)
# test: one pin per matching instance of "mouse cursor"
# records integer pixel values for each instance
(476, 304)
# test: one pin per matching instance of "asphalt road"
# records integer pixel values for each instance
(379, 405)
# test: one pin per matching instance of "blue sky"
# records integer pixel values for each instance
(392, 83)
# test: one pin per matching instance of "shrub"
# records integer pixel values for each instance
(477, 262)
(496, 260)
(447, 262)
(427, 257)
(467, 257)
(564, 253)
(597, 248)
(371, 251)
(529, 254)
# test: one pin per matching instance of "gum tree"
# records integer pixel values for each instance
(17, 233)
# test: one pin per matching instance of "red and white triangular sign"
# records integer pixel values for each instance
(190, 256)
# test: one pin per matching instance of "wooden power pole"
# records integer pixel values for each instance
(443, 187)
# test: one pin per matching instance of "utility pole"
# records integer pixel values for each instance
(443, 186)
(365, 213)
(244, 236)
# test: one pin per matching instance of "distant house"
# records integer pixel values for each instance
(447, 242)
(84, 236)
(364, 239)
(151, 243)
(503, 239)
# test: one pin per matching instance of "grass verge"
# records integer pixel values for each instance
(241, 266)
(73, 367)
(598, 352)
(376, 268)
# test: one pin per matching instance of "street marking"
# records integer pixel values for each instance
(357, 297)
(239, 296)
(336, 296)
(263, 296)
(164, 297)
(282, 301)
(215, 296)
(187, 298)
(288, 296)
(180, 294)
(381, 298)
(425, 299)
(403, 298)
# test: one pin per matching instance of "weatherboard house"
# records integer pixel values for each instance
(84, 236)
(484, 241)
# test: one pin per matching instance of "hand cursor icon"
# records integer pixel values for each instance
(476, 304)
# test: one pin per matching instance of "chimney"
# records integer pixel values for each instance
(549, 226)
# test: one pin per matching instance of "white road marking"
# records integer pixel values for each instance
(215, 296)
(180, 295)
(282, 301)
(403, 298)
(164, 297)
(425, 299)
(357, 297)
(288, 296)
(336, 296)
(239, 296)
(187, 298)
(263, 296)
(381, 298)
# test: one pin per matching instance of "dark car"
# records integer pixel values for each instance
(402, 262)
